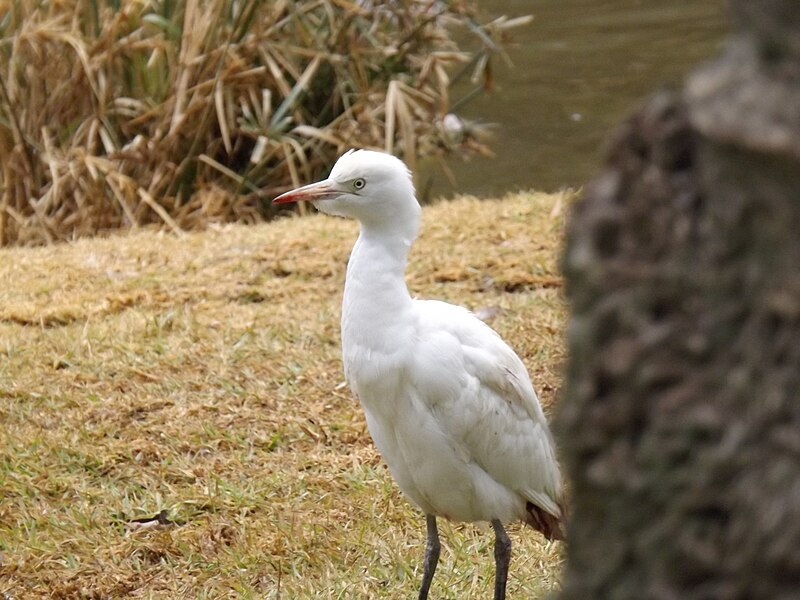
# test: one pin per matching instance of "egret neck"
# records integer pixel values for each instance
(376, 298)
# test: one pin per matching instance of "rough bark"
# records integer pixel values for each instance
(680, 423)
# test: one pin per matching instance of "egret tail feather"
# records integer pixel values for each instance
(549, 525)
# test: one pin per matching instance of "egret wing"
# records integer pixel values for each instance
(480, 391)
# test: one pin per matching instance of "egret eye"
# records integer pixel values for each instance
(358, 184)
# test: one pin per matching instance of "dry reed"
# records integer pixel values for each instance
(121, 113)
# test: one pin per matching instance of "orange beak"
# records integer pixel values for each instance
(322, 190)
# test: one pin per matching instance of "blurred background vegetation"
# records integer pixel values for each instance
(189, 112)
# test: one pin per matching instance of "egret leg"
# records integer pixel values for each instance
(432, 548)
(502, 556)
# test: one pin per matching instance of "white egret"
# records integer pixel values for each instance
(449, 405)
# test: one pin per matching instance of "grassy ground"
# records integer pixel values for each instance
(173, 422)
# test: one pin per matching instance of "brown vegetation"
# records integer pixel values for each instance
(118, 114)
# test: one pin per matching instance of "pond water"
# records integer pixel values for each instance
(578, 69)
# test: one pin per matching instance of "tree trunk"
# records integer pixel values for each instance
(680, 424)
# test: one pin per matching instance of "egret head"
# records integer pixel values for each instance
(373, 187)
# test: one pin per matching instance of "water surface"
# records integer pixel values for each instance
(579, 68)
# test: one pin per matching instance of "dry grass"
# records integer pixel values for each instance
(120, 113)
(198, 378)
